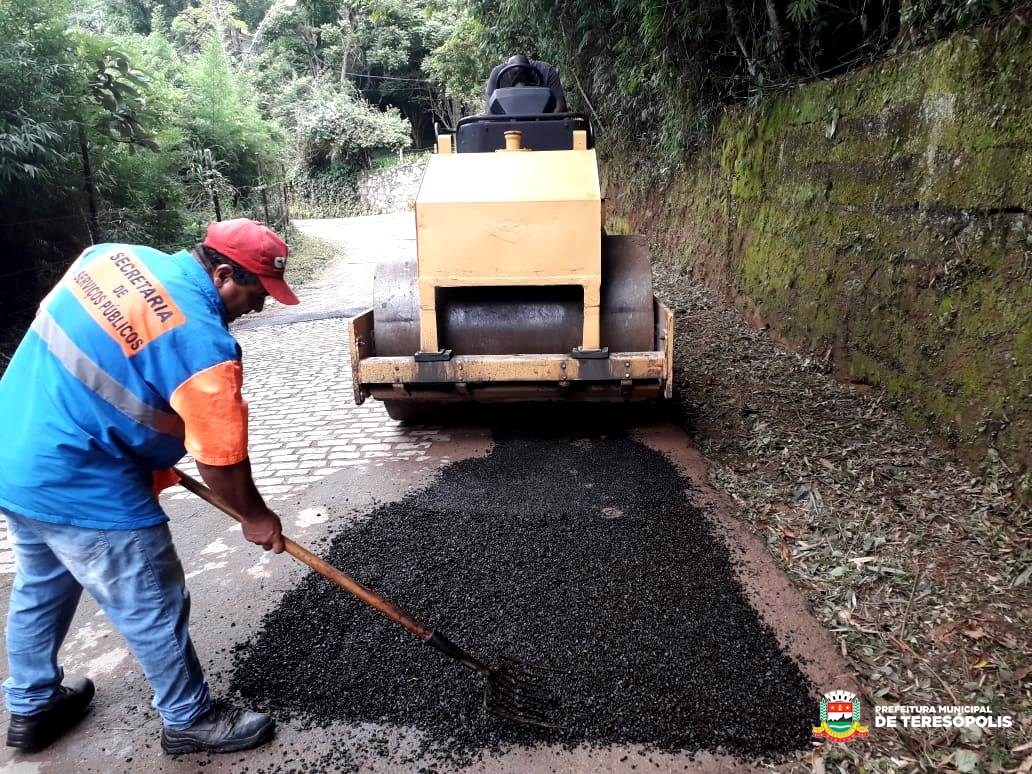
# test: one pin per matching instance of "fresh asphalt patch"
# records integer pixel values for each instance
(578, 552)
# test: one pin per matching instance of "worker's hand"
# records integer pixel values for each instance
(264, 529)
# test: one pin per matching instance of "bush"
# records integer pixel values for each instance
(335, 126)
(222, 114)
(326, 193)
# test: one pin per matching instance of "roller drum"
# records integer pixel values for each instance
(627, 316)
(510, 320)
(396, 308)
(520, 320)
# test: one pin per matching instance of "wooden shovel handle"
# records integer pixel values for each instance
(325, 569)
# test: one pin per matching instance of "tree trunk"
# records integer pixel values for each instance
(209, 177)
(286, 196)
(750, 63)
(88, 186)
(309, 37)
(777, 35)
(261, 184)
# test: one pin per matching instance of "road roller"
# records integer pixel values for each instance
(515, 293)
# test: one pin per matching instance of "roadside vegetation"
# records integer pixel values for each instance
(655, 75)
(142, 121)
(919, 568)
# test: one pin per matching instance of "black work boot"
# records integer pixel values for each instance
(31, 733)
(222, 729)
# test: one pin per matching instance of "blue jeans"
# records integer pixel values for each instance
(135, 576)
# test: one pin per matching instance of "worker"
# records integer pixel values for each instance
(128, 365)
(521, 72)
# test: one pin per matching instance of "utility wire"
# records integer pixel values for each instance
(389, 78)
(18, 273)
(42, 220)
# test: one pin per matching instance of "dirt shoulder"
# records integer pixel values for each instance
(918, 567)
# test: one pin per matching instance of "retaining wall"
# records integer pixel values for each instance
(881, 220)
(393, 189)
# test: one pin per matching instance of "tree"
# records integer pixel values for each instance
(656, 73)
(335, 126)
(37, 159)
(36, 74)
(377, 45)
(459, 66)
(222, 114)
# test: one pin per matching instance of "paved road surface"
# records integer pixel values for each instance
(321, 461)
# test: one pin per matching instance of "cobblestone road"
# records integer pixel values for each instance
(304, 424)
(297, 372)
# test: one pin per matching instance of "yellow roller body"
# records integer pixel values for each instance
(515, 292)
(509, 219)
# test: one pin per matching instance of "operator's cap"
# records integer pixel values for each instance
(257, 248)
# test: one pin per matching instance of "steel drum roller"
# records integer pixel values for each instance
(520, 320)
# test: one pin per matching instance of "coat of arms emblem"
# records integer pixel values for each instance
(840, 717)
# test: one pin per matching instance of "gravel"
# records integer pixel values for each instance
(578, 552)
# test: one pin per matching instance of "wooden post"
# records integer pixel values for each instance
(286, 196)
(209, 177)
(87, 184)
(261, 184)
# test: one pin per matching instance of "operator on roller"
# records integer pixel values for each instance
(129, 365)
(521, 71)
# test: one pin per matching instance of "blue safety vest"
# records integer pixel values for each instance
(86, 404)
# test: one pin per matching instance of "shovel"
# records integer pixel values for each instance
(514, 690)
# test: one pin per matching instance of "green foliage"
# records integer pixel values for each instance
(143, 194)
(35, 74)
(336, 126)
(115, 88)
(378, 46)
(38, 77)
(656, 73)
(196, 24)
(136, 15)
(132, 117)
(459, 66)
(388, 159)
(223, 115)
(326, 193)
(99, 127)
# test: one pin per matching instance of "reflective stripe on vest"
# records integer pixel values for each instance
(100, 382)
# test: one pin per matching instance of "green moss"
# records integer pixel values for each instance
(868, 212)
(918, 403)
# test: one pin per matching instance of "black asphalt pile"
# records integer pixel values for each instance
(579, 553)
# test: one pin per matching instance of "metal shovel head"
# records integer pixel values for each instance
(517, 692)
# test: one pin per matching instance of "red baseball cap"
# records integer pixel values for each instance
(257, 248)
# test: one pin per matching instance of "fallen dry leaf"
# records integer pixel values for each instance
(942, 632)
(937, 546)
(786, 555)
(1017, 677)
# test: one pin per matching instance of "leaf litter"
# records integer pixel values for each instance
(920, 567)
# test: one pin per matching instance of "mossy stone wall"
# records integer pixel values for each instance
(881, 219)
